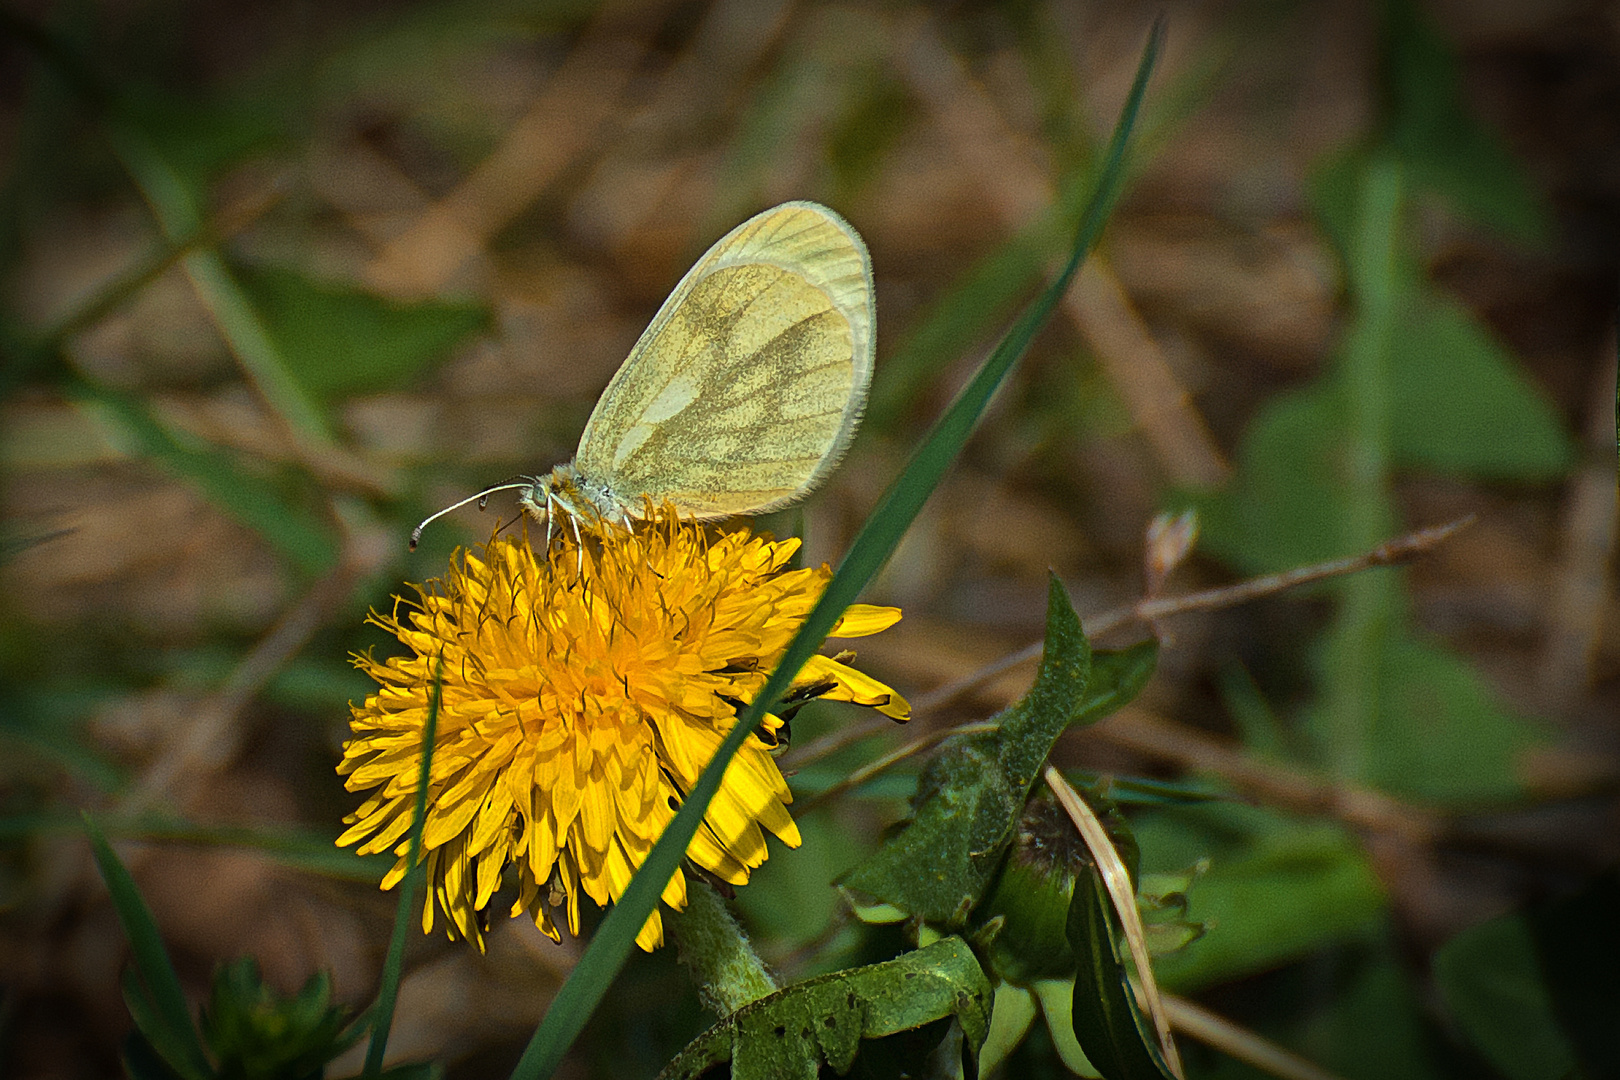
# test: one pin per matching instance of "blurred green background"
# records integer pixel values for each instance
(282, 277)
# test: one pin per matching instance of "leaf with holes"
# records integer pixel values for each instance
(899, 1009)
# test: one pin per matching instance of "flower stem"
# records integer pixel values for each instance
(729, 973)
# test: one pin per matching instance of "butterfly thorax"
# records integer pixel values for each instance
(565, 489)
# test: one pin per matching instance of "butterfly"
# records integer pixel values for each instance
(744, 391)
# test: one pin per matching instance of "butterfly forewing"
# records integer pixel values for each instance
(744, 391)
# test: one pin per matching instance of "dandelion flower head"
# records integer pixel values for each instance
(583, 690)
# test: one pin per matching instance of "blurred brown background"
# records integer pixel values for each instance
(419, 238)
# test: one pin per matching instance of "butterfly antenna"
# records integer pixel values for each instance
(480, 498)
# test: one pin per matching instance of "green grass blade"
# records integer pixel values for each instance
(303, 849)
(167, 1000)
(615, 937)
(382, 1012)
(252, 500)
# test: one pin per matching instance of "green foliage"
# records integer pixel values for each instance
(833, 1018)
(337, 340)
(970, 796)
(611, 944)
(1447, 149)
(1416, 384)
(1275, 890)
(1436, 732)
(1116, 1037)
(1492, 982)
(1460, 403)
(1537, 991)
(257, 1034)
(152, 990)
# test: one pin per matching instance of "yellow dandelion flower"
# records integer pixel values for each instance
(584, 690)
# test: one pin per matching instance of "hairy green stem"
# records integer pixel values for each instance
(713, 946)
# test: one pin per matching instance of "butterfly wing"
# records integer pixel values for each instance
(745, 390)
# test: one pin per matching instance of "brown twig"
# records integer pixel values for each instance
(1198, 1022)
(1265, 781)
(1394, 551)
(886, 761)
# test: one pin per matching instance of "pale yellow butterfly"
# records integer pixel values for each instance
(743, 392)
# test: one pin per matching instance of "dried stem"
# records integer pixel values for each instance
(1398, 550)
(1389, 553)
(210, 737)
(886, 761)
(1198, 1022)
(1266, 781)
(1117, 879)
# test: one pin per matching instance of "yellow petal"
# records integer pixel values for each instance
(862, 620)
(855, 686)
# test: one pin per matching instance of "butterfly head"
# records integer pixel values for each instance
(566, 490)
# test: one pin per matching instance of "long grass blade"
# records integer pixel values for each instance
(382, 1013)
(176, 1033)
(615, 937)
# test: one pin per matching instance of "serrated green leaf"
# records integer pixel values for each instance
(337, 340)
(1116, 1037)
(1491, 980)
(161, 1001)
(970, 796)
(1460, 403)
(824, 1020)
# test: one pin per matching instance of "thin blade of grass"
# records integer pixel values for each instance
(615, 937)
(162, 985)
(382, 1013)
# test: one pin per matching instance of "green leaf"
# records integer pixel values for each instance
(1276, 888)
(615, 937)
(1578, 943)
(337, 341)
(142, 1061)
(162, 1004)
(156, 1039)
(1430, 126)
(1282, 508)
(1437, 732)
(1373, 1028)
(257, 1034)
(1490, 977)
(828, 1019)
(1114, 679)
(251, 499)
(1460, 403)
(1117, 1039)
(970, 796)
